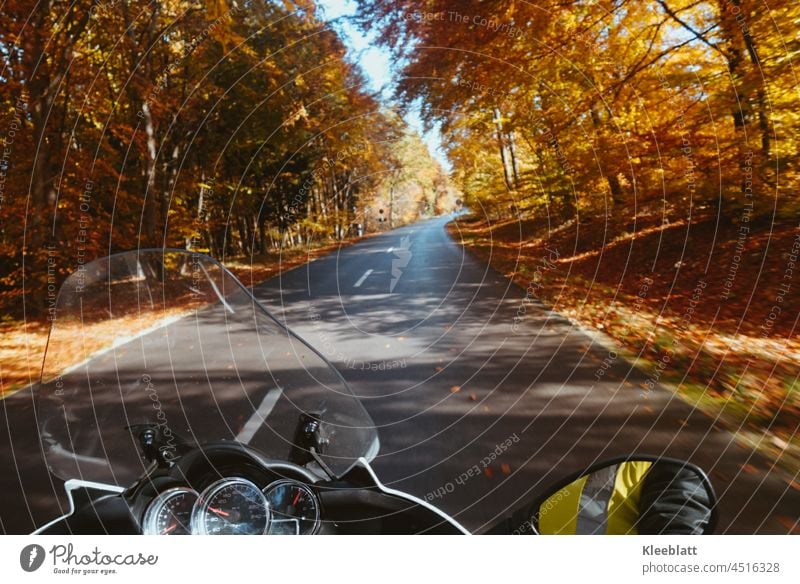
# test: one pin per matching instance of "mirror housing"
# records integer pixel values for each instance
(641, 494)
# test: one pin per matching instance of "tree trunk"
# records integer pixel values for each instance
(761, 99)
(150, 200)
(501, 143)
(512, 148)
(614, 185)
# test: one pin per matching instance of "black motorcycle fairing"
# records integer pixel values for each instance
(355, 504)
(95, 509)
(362, 505)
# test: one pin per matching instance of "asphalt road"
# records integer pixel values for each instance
(557, 394)
(482, 397)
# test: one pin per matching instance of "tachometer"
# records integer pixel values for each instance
(231, 507)
(170, 513)
(294, 507)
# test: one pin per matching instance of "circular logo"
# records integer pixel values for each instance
(31, 557)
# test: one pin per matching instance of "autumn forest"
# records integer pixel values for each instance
(238, 127)
(222, 127)
(633, 141)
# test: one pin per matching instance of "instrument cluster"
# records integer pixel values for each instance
(235, 506)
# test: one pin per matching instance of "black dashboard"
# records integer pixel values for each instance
(227, 488)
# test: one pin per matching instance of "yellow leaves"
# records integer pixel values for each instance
(299, 113)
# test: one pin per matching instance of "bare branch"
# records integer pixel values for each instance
(698, 35)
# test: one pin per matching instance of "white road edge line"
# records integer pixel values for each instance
(257, 419)
(362, 278)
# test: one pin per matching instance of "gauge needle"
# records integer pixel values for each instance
(297, 497)
(219, 512)
(170, 528)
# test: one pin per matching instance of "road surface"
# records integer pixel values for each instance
(481, 395)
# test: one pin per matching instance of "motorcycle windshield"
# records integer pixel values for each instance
(172, 340)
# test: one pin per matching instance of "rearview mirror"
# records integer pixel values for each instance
(628, 496)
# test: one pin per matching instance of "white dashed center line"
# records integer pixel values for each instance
(256, 421)
(362, 278)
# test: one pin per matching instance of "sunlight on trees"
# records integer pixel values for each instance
(224, 127)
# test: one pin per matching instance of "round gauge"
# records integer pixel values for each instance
(231, 507)
(295, 508)
(170, 513)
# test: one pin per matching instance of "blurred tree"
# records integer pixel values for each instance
(603, 106)
(221, 126)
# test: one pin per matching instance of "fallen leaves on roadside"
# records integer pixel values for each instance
(726, 354)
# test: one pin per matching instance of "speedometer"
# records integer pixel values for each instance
(231, 507)
(170, 513)
(294, 506)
